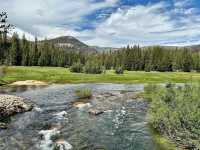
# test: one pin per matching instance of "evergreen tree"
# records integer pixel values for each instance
(186, 60)
(196, 61)
(35, 53)
(45, 54)
(4, 29)
(25, 51)
(15, 51)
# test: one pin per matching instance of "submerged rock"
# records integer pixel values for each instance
(3, 125)
(63, 145)
(95, 112)
(10, 105)
(81, 105)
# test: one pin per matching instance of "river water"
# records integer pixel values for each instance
(55, 123)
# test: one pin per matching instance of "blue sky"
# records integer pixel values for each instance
(113, 23)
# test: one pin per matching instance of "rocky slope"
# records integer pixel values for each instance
(71, 43)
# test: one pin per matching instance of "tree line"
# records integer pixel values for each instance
(155, 58)
(21, 52)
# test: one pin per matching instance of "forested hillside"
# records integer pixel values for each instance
(23, 52)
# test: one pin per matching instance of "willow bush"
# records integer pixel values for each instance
(93, 67)
(76, 67)
(2, 74)
(119, 70)
(175, 112)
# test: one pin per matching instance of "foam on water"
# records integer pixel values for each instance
(47, 142)
(63, 145)
(61, 115)
(38, 109)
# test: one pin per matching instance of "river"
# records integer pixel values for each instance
(54, 119)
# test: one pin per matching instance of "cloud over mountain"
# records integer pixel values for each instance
(108, 22)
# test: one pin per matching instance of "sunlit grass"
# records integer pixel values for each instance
(63, 75)
(83, 93)
(163, 143)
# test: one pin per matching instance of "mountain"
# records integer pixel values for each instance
(190, 47)
(106, 49)
(194, 47)
(71, 43)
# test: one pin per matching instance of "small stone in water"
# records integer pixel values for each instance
(80, 105)
(61, 115)
(3, 126)
(63, 145)
(95, 112)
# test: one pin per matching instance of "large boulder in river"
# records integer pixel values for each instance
(10, 105)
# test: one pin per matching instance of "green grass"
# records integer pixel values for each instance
(83, 93)
(163, 143)
(63, 75)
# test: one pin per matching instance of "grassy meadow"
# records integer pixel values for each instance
(63, 75)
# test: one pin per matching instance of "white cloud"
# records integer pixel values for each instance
(33, 15)
(182, 3)
(20, 32)
(146, 25)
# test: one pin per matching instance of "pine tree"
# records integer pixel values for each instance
(15, 51)
(35, 53)
(45, 55)
(25, 51)
(186, 60)
(5, 27)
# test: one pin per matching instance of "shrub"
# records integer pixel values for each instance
(66, 66)
(119, 70)
(83, 93)
(93, 67)
(3, 70)
(175, 111)
(76, 67)
(148, 68)
(149, 91)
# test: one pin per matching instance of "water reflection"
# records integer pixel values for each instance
(17, 89)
